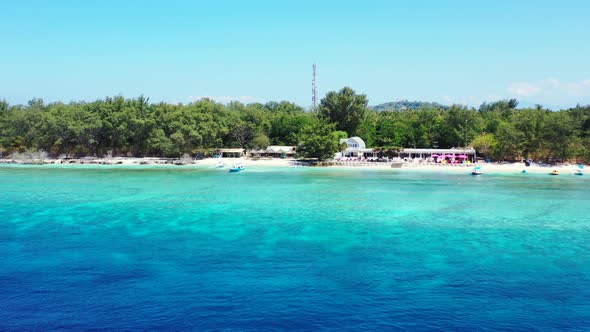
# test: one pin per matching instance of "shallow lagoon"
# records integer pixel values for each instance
(291, 248)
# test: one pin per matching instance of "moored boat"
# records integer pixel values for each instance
(237, 168)
(554, 172)
(477, 171)
(579, 170)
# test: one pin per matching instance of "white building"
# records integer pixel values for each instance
(276, 151)
(356, 148)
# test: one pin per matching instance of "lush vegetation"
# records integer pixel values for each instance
(136, 127)
(405, 105)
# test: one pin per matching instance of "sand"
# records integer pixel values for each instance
(247, 162)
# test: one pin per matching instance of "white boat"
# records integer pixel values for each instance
(579, 170)
(237, 168)
(220, 165)
(477, 171)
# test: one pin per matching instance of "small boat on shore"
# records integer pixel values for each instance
(477, 171)
(554, 172)
(579, 170)
(237, 168)
(396, 164)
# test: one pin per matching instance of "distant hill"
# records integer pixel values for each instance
(405, 105)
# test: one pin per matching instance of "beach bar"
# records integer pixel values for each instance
(230, 153)
(466, 153)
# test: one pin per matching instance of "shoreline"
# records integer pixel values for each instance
(291, 163)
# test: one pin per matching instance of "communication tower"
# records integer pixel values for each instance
(314, 96)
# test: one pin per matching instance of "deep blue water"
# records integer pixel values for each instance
(292, 249)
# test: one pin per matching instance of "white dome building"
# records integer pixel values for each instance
(356, 148)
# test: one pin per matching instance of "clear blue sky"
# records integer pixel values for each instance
(445, 51)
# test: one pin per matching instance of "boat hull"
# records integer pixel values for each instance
(236, 169)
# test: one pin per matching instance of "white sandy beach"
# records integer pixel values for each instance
(278, 163)
(505, 168)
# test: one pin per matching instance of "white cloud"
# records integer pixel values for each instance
(551, 82)
(550, 87)
(523, 89)
(472, 101)
(226, 99)
(550, 92)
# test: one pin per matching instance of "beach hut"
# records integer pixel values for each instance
(230, 153)
(280, 151)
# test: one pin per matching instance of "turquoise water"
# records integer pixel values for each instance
(299, 249)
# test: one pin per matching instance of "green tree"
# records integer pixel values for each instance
(159, 144)
(243, 133)
(561, 136)
(3, 107)
(509, 141)
(318, 140)
(531, 124)
(345, 108)
(494, 113)
(68, 129)
(286, 121)
(260, 141)
(391, 130)
(486, 145)
(368, 128)
(461, 126)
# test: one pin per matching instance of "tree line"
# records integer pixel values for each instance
(135, 127)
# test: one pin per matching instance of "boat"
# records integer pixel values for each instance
(523, 171)
(579, 170)
(220, 165)
(396, 164)
(477, 171)
(237, 168)
(554, 172)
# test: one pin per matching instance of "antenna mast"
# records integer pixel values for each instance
(314, 100)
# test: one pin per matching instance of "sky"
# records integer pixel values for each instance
(454, 51)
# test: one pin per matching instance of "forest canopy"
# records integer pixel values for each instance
(135, 127)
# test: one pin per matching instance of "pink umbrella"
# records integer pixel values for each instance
(462, 156)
